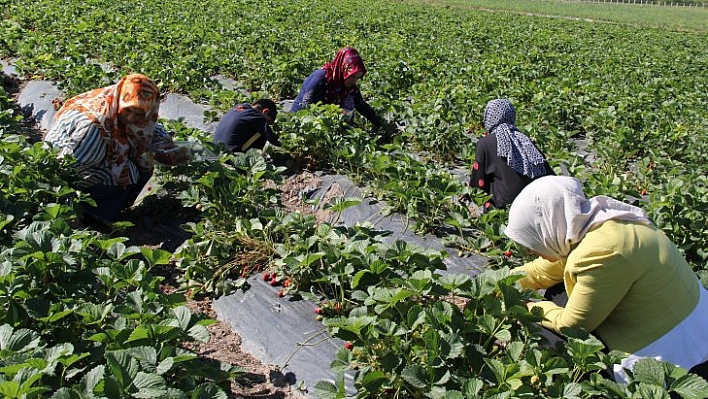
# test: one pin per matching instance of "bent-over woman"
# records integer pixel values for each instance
(113, 134)
(336, 83)
(627, 283)
(506, 159)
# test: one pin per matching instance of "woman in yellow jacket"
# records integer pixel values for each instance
(626, 281)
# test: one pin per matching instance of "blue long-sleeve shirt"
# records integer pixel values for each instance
(314, 90)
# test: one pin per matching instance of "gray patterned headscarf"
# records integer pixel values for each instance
(521, 154)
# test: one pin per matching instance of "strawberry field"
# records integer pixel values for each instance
(673, 15)
(625, 109)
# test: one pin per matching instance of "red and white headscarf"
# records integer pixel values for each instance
(124, 141)
(346, 63)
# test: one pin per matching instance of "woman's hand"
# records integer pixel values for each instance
(181, 155)
(170, 154)
(531, 304)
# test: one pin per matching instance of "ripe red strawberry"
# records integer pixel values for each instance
(266, 276)
(348, 346)
(644, 192)
(487, 204)
(317, 310)
(274, 281)
(508, 253)
(286, 283)
(281, 293)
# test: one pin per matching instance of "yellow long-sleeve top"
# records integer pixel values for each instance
(626, 282)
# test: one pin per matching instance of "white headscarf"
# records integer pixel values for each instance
(551, 214)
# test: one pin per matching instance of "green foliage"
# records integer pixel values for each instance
(240, 206)
(27, 190)
(669, 15)
(8, 119)
(339, 262)
(634, 95)
(126, 336)
(622, 108)
(413, 340)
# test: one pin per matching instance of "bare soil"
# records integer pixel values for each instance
(157, 223)
(260, 380)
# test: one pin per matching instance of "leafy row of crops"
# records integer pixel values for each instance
(663, 15)
(636, 99)
(82, 313)
(404, 336)
(688, 3)
(614, 86)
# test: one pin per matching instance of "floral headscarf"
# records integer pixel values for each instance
(346, 63)
(124, 142)
(521, 154)
(551, 214)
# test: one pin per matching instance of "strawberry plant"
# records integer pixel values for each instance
(127, 335)
(333, 261)
(411, 341)
(239, 212)
(27, 188)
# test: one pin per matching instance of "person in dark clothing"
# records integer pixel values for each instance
(506, 158)
(335, 83)
(247, 126)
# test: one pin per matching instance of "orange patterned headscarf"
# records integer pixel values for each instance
(346, 63)
(125, 142)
